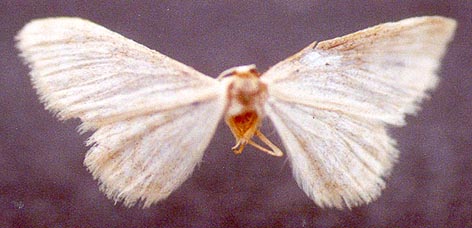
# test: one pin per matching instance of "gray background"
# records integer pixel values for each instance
(43, 182)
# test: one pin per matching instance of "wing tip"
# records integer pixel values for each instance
(39, 26)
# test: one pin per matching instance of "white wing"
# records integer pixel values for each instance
(153, 116)
(331, 103)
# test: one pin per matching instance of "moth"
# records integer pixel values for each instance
(153, 117)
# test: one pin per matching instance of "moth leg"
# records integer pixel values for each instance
(242, 140)
(274, 150)
(239, 147)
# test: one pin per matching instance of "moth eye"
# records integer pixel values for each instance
(231, 73)
(226, 74)
(254, 71)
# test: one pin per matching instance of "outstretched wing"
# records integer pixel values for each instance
(153, 116)
(331, 103)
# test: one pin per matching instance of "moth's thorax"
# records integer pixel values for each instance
(246, 97)
(246, 92)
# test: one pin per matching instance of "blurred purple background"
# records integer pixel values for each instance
(44, 184)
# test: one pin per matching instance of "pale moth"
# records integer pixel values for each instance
(153, 117)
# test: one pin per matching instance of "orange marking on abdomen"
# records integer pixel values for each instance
(244, 122)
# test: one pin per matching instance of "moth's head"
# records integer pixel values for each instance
(246, 71)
